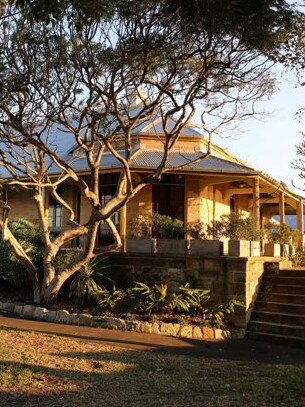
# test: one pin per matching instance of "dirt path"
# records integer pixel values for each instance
(239, 350)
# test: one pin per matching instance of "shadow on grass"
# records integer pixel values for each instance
(133, 378)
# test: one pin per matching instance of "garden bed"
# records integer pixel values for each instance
(186, 329)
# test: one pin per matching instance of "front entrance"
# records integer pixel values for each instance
(168, 196)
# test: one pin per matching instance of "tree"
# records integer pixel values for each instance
(82, 78)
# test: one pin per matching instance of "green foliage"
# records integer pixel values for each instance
(276, 233)
(195, 298)
(215, 229)
(113, 299)
(30, 238)
(164, 227)
(198, 231)
(148, 299)
(159, 226)
(212, 230)
(143, 298)
(258, 24)
(63, 258)
(298, 258)
(239, 227)
(88, 282)
(140, 226)
(217, 314)
(54, 10)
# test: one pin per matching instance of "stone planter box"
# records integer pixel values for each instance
(138, 245)
(171, 246)
(255, 249)
(272, 250)
(206, 247)
(239, 248)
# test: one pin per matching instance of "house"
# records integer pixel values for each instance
(192, 189)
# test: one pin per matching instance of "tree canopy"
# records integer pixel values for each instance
(262, 24)
(66, 69)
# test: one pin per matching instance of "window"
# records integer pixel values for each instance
(108, 186)
(55, 216)
(55, 212)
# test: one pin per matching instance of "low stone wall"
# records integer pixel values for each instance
(226, 277)
(159, 328)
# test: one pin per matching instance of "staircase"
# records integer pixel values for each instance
(279, 312)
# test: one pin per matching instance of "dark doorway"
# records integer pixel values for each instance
(168, 196)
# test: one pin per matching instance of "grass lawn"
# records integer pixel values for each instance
(45, 370)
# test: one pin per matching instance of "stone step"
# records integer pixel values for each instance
(285, 280)
(280, 318)
(280, 307)
(292, 272)
(276, 328)
(270, 296)
(276, 338)
(284, 289)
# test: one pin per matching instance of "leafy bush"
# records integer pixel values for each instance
(238, 227)
(212, 230)
(30, 238)
(164, 227)
(63, 258)
(88, 282)
(298, 258)
(148, 299)
(276, 233)
(157, 298)
(114, 299)
(217, 314)
(140, 226)
(215, 229)
(196, 299)
(159, 226)
(198, 231)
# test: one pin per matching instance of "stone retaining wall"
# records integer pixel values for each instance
(226, 277)
(159, 328)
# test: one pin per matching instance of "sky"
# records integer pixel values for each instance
(269, 144)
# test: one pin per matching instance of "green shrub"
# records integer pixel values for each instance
(213, 230)
(63, 258)
(198, 231)
(157, 298)
(164, 227)
(298, 258)
(140, 226)
(88, 282)
(276, 233)
(217, 314)
(150, 299)
(238, 227)
(196, 299)
(113, 299)
(30, 238)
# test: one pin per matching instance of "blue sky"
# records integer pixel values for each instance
(269, 144)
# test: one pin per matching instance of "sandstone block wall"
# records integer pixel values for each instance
(226, 277)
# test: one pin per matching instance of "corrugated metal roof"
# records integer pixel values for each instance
(151, 159)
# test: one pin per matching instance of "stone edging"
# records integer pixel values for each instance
(159, 328)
